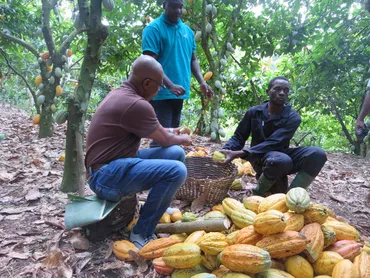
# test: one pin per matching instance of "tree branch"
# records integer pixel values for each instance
(27, 46)
(65, 45)
(23, 78)
(45, 19)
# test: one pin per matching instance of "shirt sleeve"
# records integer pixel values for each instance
(242, 132)
(140, 119)
(151, 40)
(279, 139)
(194, 47)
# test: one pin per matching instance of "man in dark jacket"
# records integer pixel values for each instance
(272, 125)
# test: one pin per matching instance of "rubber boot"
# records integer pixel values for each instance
(263, 186)
(302, 179)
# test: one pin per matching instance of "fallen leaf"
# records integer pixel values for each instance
(33, 194)
(38, 255)
(16, 210)
(79, 242)
(53, 259)
(65, 271)
(109, 250)
(17, 255)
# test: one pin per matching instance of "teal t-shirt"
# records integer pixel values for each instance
(174, 44)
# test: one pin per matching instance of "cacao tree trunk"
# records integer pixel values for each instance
(73, 176)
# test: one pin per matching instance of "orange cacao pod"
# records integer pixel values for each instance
(161, 267)
(248, 235)
(245, 258)
(284, 244)
(294, 221)
(314, 233)
(155, 248)
(121, 249)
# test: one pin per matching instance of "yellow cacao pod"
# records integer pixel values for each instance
(38, 80)
(243, 219)
(182, 255)
(235, 275)
(277, 265)
(166, 218)
(36, 119)
(204, 275)
(230, 204)
(269, 222)
(316, 213)
(245, 258)
(214, 215)
(237, 185)
(179, 237)
(343, 230)
(345, 269)
(298, 267)
(208, 76)
(121, 249)
(218, 156)
(284, 244)
(176, 216)
(221, 271)
(218, 208)
(326, 262)
(273, 202)
(362, 264)
(155, 248)
(189, 272)
(231, 238)
(195, 237)
(252, 203)
(210, 262)
(58, 90)
(294, 221)
(329, 235)
(274, 273)
(213, 243)
(131, 224)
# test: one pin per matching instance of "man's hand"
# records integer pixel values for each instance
(359, 125)
(177, 90)
(206, 89)
(231, 155)
(186, 139)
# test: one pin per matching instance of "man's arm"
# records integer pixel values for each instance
(166, 138)
(279, 139)
(195, 69)
(365, 110)
(174, 88)
(241, 134)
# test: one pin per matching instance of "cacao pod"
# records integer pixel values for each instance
(235, 275)
(108, 5)
(198, 35)
(243, 218)
(343, 230)
(314, 233)
(348, 249)
(213, 243)
(36, 119)
(218, 156)
(187, 273)
(38, 80)
(161, 267)
(273, 202)
(294, 221)
(155, 248)
(231, 238)
(269, 222)
(362, 264)
(315, 213)
(176, 216)
(58, 90)
(297, 199)
(189, 217)
(195, 237)
(69, 52)
(274, 273)
(237, 185)
(207, 76)
(61, 117)
(210, 262)
(298, 267)
(182, 255)
(214, 215)
(230, 204)
(53, 108)
(40, 100)
(345, 269)
(208, 27)
(218, 208)
(58, 72)
(324, 265)
(283, 245)
(121, 249)
(248, 235)
(245, 258)
(252, 203)
(166, 218)
(329, 236)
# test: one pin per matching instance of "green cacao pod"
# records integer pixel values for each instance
(61, 117)
(188, 217)
(108, 5)
(58, 72)
(297, 199)
(40, 100)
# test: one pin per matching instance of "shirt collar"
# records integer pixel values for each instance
(165, 19)
(283, 114)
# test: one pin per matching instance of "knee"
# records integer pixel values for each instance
(180, 172)
(177, 153)
(278, 166)
(318, 155)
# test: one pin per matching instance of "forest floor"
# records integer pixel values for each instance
(32, 207)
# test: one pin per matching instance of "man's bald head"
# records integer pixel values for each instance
(146, 69)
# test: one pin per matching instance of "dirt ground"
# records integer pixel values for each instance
(34, 242)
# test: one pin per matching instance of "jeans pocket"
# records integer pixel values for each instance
(107, 193)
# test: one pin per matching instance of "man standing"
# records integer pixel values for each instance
(272, 125)
(172, 43)
(116, 165)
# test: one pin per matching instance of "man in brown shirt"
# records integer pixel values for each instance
(116, 165)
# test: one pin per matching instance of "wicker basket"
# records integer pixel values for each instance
(205, 176)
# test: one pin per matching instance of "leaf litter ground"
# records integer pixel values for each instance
(33, 240)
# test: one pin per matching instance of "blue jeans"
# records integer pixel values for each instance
(159, 169)
(168, 113)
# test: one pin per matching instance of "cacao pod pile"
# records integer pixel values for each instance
(282, 235)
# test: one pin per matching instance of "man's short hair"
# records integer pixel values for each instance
(271, 83)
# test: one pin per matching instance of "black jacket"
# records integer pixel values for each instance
(268, 133)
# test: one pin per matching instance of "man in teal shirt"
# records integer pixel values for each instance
(172, 43)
